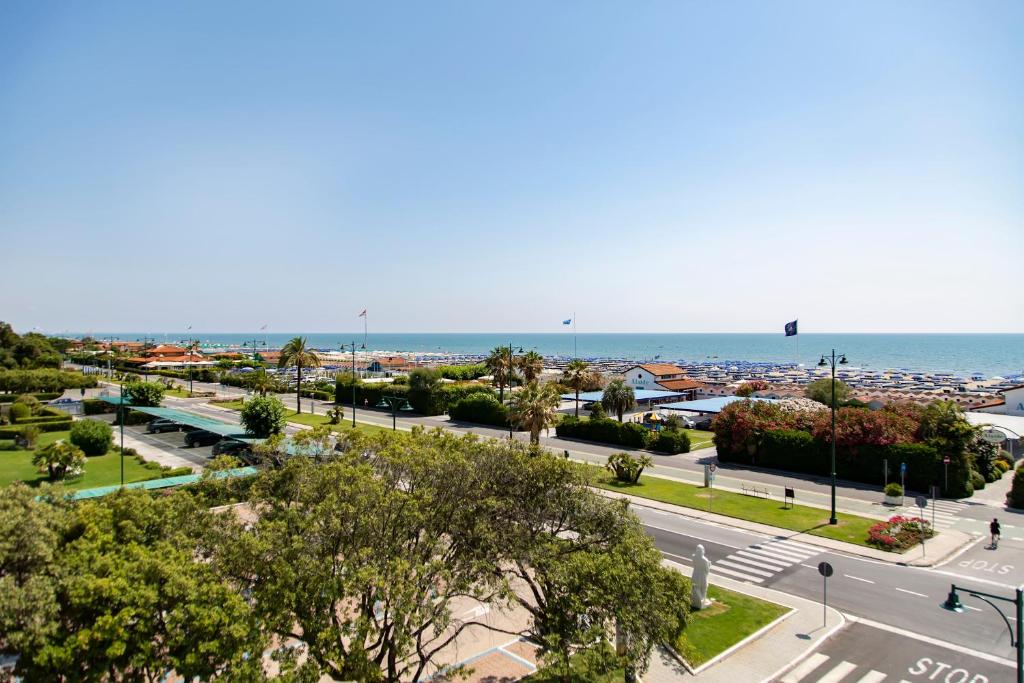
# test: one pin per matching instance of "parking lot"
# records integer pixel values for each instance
(171, 443)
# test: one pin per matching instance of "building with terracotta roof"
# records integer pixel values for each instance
(688, 387)
(650, 375)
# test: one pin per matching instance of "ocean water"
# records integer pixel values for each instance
(962, 354)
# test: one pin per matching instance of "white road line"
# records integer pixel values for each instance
(741, 576)
(687, 560)
(838, 672)
(743, 568)
(904, 590)
(806, 667)
(772, 552)
(797, 546)
(976, 609)
(872, 677)
(809, 566)
(758, 561)
(931, 641)
(857, 578)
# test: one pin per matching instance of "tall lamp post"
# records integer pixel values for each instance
(145, 347)
(120, 415)
(337, 399)
(831, 360)
(953, 604)
(396, 403)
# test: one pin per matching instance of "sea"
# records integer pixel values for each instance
(989, 355)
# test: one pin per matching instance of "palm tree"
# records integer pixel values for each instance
(577, 373)
(532, 364)
(261, 382)
(534, 408)
(619, 397)
(500, 364)
(296, 353)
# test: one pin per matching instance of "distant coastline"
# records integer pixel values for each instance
(992, 354)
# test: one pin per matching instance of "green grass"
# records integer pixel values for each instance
(730, 618)
(311, 420)
(102, 470)
(700, 438)
(851, 528)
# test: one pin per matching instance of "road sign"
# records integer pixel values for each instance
(992, 435)
(921, 502)
(903, 467)
(825, 569)
(713, 467)
(945, 460)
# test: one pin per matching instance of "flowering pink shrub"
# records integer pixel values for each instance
(899, 533)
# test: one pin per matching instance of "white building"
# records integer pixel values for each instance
(648, 375)
(1013, 402)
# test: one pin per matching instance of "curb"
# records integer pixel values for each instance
(811, 648)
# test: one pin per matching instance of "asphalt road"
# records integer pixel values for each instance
(907, 598)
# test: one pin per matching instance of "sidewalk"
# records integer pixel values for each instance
(763, 655)
(943, 545)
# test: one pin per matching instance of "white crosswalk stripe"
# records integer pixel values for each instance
(818, 669)
(761, 561)
(946, 512)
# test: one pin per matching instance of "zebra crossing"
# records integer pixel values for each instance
(819, 669)
(946, 513)
(761, 561)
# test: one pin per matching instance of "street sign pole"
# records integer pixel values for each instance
(945, 467)
(825, 569)
(922, 502)
(885, 472)
(903, 478)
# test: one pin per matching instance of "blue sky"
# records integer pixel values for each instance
(483, 166)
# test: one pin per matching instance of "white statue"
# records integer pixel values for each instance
(699, 580)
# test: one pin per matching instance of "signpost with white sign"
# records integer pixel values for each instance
(993, 435)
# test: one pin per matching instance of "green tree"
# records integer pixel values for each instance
(534, 408)
(501, 364)
(626, 468)
(820, 390)
(30, 402)
(61, 459)
(92, 436)
(296, 353)
(618, 397)
(261, 381)
(424, 380)
(145, 394)
(577, 374)
(531, 364)
(263, 416)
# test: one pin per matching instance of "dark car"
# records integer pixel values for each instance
(200, 437)
(231, 447)
(161, 425)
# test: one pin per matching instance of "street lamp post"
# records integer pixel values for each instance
(121, 420)
(953, 604)
(396, 403)
(508, 372)
(337, 399)
(831, 360)
(145, 347)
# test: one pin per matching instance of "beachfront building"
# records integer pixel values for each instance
(650, 376)
(389, 364)
(1011, 403)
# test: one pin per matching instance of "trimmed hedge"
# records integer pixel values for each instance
(604, 430)
(134, 417)
(1015, 497)
(480, 408)
(433, 402)
(16, 431)
(94, 406)
(670, 441)
(46, 396)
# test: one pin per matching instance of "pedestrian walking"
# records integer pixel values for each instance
(995, 529)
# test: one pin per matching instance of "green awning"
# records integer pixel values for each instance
(166, 482)
(233, 430)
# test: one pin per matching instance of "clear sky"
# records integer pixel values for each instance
(485, 166)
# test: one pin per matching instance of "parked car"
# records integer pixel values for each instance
(62, 401)
(161, 425)
(200, 437)
(230, 447)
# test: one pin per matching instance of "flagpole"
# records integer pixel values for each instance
(797, 335)
(365, 316)
(575, 353)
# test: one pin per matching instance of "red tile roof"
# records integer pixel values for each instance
(680, 384)
(661, 369)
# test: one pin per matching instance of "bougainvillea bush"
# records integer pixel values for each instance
(899, 533)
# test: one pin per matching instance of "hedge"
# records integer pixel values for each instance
(46, 379)
(46, 414)
(16, 431)
(434, 402)
(605, 430)
(480, 408)
(134, 417)
(94, 406)
(670, 441)
(44, 396)
(1015, 497)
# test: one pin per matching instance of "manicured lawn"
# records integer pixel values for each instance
(730, 618)
(699, 438)
(311, 420)
(851, 528)
(102, 470)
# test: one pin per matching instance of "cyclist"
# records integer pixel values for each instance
(994, 528)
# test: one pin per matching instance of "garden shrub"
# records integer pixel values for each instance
(8, 445)
(1015, 497)
(977, 481)
(894, 490)
(92, 436)
(19, 411)
(94, 406)
(145, 394)
(1002, 466)
(627, 468)
(605, 430)
(263, 416)
(175, 471)
(481, 408)
(670, 441)
(15, 431)
(899, 533)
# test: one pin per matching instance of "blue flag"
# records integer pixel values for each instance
(567, 321)
(791, 329)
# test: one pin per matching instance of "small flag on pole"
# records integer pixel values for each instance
(567, 321)
(264, 327)
(791, 329)
(362, 315)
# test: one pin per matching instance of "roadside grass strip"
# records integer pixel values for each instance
(700, 438)
(313, 420)
(814, 521)
(730, 618)
(100, 470)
